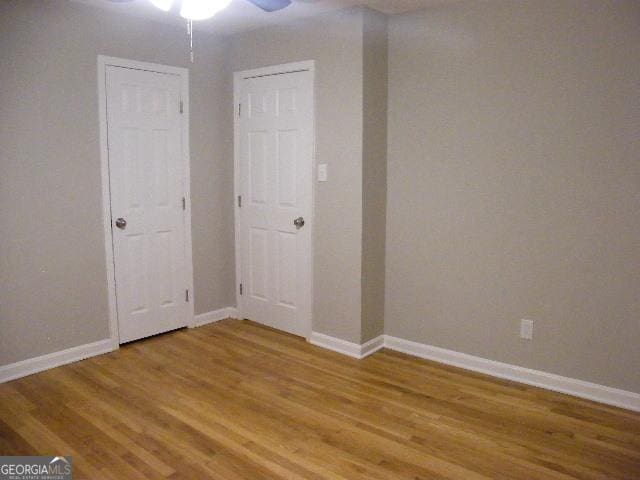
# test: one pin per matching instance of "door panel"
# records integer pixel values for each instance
(276, 161)
(286, 274)
(258, 261)
(144, 129)
(286, 165)
(258, 167)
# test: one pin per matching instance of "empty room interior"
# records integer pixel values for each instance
(319, 239)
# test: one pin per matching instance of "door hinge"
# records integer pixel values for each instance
(240, 289)
(184, 203)
(239, 110)
(240, 201)
(186, 295)
(181, 107)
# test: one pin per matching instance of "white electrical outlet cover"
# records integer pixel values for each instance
(322, 172)
(526, 329)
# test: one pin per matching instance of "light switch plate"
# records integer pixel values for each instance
(322, 172)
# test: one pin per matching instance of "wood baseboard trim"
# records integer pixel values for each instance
(214, 316)
(536, 378)
(55, 359)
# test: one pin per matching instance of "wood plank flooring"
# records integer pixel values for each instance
(235, 400)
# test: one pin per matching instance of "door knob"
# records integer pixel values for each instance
(121, 223)
(299, 222)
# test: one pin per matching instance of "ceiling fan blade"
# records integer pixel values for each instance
(271, 5)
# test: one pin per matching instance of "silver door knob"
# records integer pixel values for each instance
(121, 223)
(299, 222)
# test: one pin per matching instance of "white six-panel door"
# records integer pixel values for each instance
(147, 178)
(275, 152)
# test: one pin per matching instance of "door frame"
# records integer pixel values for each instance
(309, 66)
(104, 62)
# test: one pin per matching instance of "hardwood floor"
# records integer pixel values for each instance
(236, 400)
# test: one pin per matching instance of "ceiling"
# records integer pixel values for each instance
(241, 15)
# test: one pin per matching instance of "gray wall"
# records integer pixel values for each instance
(335, 42)
(513, 177)
(53, 291)
(514, 183)
(374, 172)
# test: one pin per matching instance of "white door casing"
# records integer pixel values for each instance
(274, 185)
(148, 175)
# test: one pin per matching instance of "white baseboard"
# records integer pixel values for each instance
(351, 349)
(55, 359)
(536, 378)
(372, 346)
(549, 381)
(214, 316)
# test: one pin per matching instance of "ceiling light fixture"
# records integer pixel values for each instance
(202, 9)
(193, 10)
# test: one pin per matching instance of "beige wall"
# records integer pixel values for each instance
(514, 180)
(53, 292)
(334, 41)
(513, 175)
(374, 172)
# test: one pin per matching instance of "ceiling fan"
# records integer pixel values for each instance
(203, 9)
